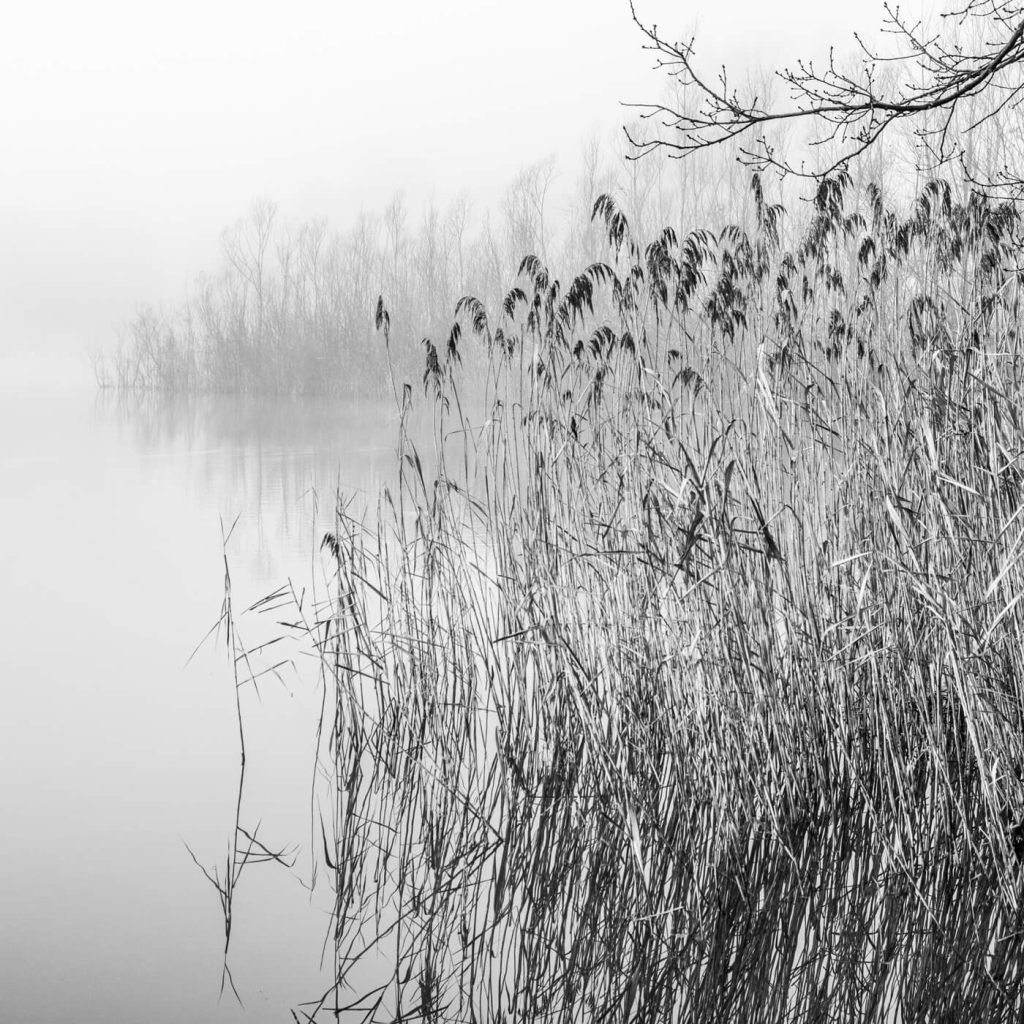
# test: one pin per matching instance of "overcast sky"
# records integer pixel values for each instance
(132, 134)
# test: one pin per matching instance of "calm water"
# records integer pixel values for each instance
(113, 754)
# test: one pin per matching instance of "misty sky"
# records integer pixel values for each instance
(132, 133)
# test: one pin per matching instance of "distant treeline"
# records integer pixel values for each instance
(291, 309)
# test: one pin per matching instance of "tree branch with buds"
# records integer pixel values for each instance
(852, 108)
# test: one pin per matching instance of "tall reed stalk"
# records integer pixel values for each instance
(687, 686)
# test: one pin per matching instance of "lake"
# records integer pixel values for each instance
(116, 750)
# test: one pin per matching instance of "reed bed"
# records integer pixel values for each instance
(686, 685)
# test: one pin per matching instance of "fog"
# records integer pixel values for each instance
(131, 137)
(597, 623)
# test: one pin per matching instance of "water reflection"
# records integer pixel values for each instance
(112, 753)
(276, 462)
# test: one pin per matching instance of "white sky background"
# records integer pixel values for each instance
(131, 134)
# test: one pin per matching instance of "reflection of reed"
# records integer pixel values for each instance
(266, 459)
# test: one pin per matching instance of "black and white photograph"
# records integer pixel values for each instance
(512, 511)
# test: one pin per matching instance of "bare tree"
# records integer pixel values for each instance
(926, 83)
(524, 208)
(245, 247)
(456, 221)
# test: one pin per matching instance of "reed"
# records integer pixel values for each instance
(686, 685)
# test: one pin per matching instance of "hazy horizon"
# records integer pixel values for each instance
(136, 138)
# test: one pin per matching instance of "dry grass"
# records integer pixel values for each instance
(688, 687)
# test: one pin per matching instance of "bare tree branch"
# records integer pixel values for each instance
(853, 109)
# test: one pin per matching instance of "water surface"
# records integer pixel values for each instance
(113, 753)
